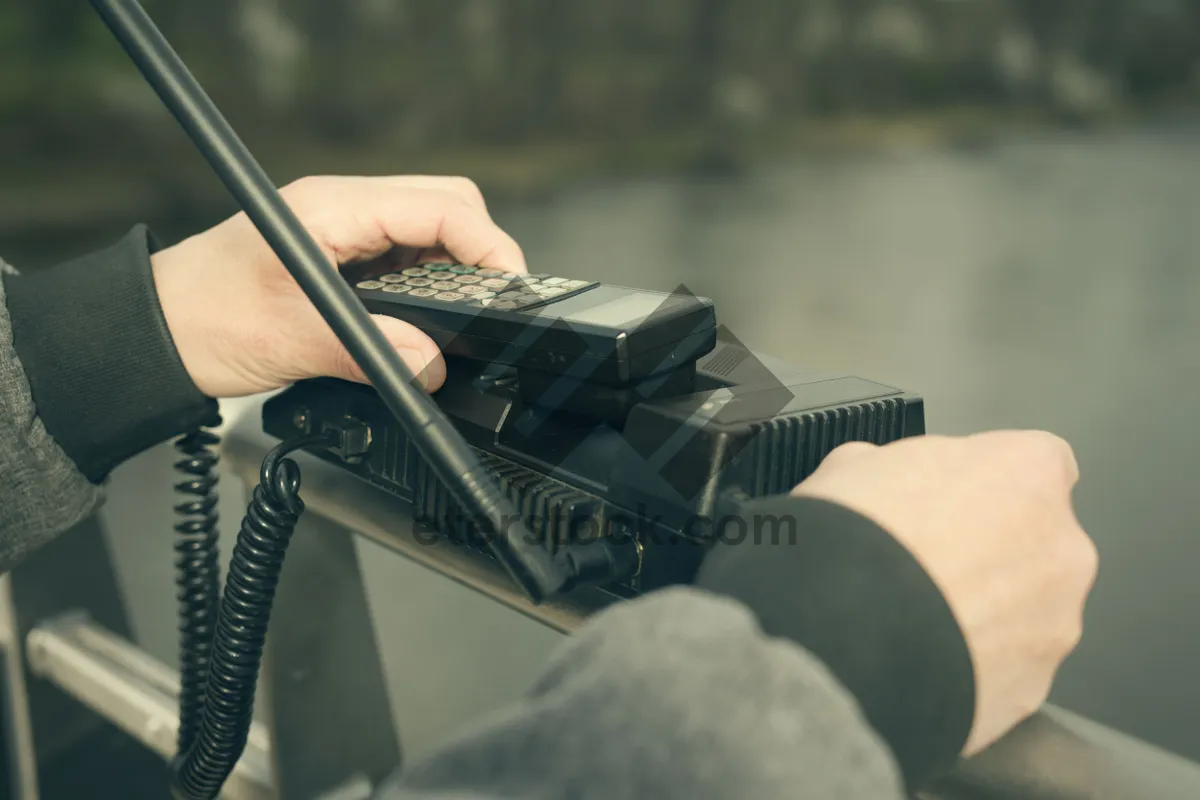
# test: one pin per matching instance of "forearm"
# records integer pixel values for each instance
(88, 378)
(825, 667)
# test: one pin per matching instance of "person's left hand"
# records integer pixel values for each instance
(241, 323)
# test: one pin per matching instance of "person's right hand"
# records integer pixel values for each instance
(990, 518)
(242, 325)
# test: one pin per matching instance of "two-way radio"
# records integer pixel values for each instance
(587, 434)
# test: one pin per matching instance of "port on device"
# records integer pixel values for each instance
(353, 438)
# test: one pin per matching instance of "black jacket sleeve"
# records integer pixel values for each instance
(847, 591)
(824, 665)
(106, 378)
(108, 383)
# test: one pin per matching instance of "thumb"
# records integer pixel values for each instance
(416, 349)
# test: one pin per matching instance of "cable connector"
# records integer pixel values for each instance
(351, 438)
(602, 562)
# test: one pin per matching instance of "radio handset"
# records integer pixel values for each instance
(530, 566)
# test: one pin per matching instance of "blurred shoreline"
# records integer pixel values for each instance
(527, 98)
(167, 180)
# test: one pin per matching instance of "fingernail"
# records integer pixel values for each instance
(427, 365)
(418, 363)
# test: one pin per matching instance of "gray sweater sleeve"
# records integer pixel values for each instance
(42, 492)
(825, 665)
(89, 376)
(675, 696)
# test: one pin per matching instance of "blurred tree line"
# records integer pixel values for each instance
(420, 74)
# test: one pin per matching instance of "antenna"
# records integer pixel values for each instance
(533, 568)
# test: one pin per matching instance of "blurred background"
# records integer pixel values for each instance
(993, 203)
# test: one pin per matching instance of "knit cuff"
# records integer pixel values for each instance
(106, 377)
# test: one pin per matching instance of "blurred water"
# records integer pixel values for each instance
(1049, 282)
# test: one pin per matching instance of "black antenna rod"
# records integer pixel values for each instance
(451, 458)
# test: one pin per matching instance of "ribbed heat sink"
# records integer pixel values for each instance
(550, 509)
(784, 452)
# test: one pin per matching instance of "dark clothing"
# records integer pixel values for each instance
(830, 667)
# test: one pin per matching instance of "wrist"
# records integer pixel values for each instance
(183, 311)
(106, 378)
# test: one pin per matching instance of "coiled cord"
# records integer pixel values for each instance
(221, 725)
(221, 644)
(197, 574)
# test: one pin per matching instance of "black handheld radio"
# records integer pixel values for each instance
(587, 434)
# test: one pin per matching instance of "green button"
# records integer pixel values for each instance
(463, 269)
(437, 267)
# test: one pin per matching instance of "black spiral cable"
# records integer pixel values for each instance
(221, 644)
(220, 725)
(197, 573)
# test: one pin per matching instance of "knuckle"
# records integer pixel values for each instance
(467, 187)
(1076, 582)
(1065, 624)
(308, 196)
(849, 450)
(1089, 557)
(448, 201)
(344, 364)
(1046, 455)
(301, 187)
(1065, 639)
(1058, 451)
(1078, 562)
(514, 247)
(1074, 635)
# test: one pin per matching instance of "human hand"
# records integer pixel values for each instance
(241, 323)
(990, 519)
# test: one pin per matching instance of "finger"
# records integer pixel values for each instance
(1041, 453)
(417, 350)
(1058, 455)
(466, 233)
(849, 451)
(463, 187)
(359, 220)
